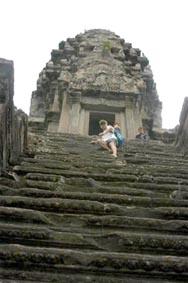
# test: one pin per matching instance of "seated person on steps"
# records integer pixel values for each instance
(142, 134)
(107, 139)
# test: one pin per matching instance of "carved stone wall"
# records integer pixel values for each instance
(13, 122)
(102, 70)
(182, 135)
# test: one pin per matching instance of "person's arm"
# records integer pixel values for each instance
(108, 129)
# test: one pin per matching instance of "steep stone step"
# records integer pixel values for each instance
(76, 206)
(83, 223)
(76, 173)
(112, 167)
(155, 148)
(117, 199)
(75, 165)
(143, 160)
(87, 188)
(95, 154)
(93, 262)
(88, 173)
(153, 243)
(44, 237)
(163, 188)
(57, 182)
(23, 275)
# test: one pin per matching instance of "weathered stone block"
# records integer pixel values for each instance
(13, 122)
(182, 135)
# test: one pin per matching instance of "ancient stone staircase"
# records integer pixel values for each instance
(73, 213)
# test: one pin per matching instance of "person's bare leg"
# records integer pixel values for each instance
(93, 142)
(113, 146)
(103, 144)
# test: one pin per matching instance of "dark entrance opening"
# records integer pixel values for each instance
(148, 125)
(94, 119)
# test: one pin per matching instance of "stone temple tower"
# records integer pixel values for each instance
(96, 75)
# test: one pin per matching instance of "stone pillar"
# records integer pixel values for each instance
(130, 123)
(55, 107)
(82, 122)
(65, 116)
(74, 100)
(123, 124)
(120, 119)
(86, 123)
(138, 118)
(131, 129)
(53, 124)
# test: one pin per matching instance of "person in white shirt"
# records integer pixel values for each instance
(107, 139)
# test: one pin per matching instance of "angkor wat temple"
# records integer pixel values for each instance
(95, 75)
(69, 211)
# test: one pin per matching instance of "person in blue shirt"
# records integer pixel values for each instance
(142, 134)
(117, 132)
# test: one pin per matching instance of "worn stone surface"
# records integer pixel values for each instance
(13, 122)
(96, 71)
(182, 134)
(74, 213)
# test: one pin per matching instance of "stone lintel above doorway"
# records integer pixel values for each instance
(103, 108)
(100, 103)
(96, 93)
(74, 97)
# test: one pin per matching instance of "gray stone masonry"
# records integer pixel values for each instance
(13, 122)
(110, 76)
(182, 135)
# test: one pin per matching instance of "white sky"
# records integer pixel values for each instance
(30, 29)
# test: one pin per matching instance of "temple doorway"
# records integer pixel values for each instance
(94, 119)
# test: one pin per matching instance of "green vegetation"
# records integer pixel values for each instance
(106, 47)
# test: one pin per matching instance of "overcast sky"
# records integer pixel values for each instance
(30, 29)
